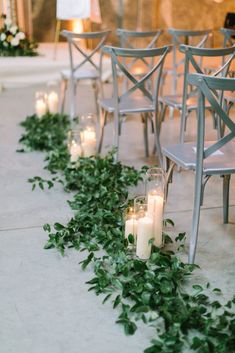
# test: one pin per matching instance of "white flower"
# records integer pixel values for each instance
(13, 29)
(3, 36)
(14, 42)
(7, 22)
(20, 35)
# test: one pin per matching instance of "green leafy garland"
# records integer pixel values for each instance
(154, 291)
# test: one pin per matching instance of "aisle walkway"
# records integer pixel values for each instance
(44, 303)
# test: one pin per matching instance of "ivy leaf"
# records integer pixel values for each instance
(86, 262)
(58, 226)
(180, 237)
(47, 227)
(106, 298)
(130, 328)
(117, 301)
(217, 291)
(131, 239)
(197, 287)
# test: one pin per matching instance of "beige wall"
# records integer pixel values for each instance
(185, 14)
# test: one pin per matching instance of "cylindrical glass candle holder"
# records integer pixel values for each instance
(88, 135)
(155, 191)
(40, 104)
(144, 228)
(130, 224)
(52, 99)
(74, 145)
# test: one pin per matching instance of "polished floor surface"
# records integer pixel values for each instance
(44, 303)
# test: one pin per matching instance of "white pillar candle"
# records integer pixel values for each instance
(75, 152)
(144, 234)
(131, 226)
(155, 211)
(89, 142)
(89, 135)
(40, 108)
(53, 102)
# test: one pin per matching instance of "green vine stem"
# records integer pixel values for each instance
(155, 292)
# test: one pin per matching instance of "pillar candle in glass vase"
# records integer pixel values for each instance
(74, 145)
(40, 107)
(88, 135)
(155, 185)
(155, 211)
(144, 235)
(131, 224)
(53, 102)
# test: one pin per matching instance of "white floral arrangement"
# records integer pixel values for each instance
(14, 42)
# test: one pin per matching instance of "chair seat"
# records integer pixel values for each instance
(175, 101)
(220, 162)
(81, 74)
(137, 104)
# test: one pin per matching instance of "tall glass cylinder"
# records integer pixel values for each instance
(88, 135)
(74, 145)
(155, 191)
(130, 224)
(40, 104)
(144, 228)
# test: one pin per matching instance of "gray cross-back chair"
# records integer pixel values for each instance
(187, 101)
(197, 38)
(229, 40)
(138, 40)
(229, 35)
(137, 98)
(85, 69)
(206, 158)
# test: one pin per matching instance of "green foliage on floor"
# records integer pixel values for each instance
(157, 292)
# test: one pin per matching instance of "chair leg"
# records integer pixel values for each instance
(63, 89)
(169, 168)
(72, 100)
(116, 134)
(101, 88)
(183, 125)
(163, 112)
(145, 130)
(196, 217)
(157, 138)
(95, 88)
(226, 186)
(102, 122)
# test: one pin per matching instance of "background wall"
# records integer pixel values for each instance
(185, 14)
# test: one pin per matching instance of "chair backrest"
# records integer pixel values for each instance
(130, 39)
(138, 84)
(229, 36)
(210, 89)
(74, 40)
(191, 57)
(138, 40)
(196, 38)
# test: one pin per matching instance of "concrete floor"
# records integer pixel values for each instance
(44, 303)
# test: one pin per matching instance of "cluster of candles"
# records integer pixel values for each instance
(82, 142)
(46, 103)
(145, 221)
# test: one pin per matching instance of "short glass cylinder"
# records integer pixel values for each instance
(88, 135)
(155, 191)
(144, 228)
(130, 224)
(74, 145)
(40, 104)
